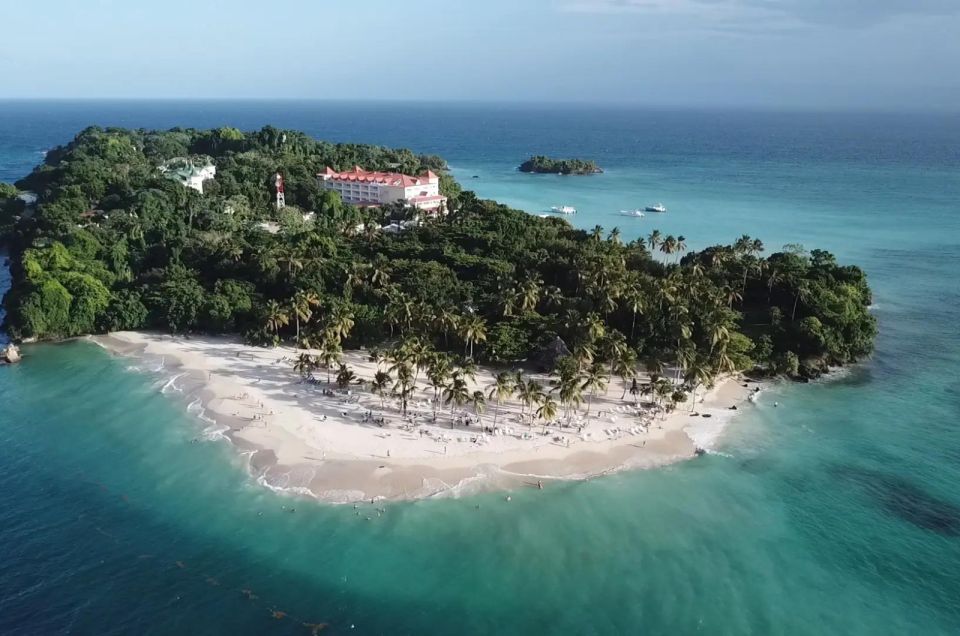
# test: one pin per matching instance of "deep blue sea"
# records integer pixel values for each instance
(837, 512)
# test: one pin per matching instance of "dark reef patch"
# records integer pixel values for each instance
(903, 499)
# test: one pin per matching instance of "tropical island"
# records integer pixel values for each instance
(398, 347)
(545, 165)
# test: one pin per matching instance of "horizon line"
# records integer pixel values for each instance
(623, 104)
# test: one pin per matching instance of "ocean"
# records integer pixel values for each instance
(830, 507)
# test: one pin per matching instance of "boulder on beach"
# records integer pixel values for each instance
(546, 359)
(10, 354)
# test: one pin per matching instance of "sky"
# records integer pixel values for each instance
(819, 54)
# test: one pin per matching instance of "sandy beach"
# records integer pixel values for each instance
(316, 440)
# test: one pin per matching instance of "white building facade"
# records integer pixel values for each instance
(188, 173)
(371, 189)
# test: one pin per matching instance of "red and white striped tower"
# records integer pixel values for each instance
(279, 185)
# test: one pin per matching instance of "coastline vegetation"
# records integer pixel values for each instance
(113, 245)
(546, 165)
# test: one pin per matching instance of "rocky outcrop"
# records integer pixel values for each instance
(10, 354)
(546, 359)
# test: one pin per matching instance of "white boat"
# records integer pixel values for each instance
(655, 208)
(636, 213)
(563, 209)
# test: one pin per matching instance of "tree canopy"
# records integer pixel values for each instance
(547, 165)
(112, 244)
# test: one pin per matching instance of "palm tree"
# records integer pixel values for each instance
(614, 348)
(266, 262)
(438, 373)
(275, 317)
(402, 388)
(607, 295)
(553, 296)
(301, 306)
(685, 354)
(380, 385)
(422, 355)
(698, 373)
(594, 380)
(509, 299)
(305, 364)
(802, 292)
(716, 326)
(529, 292)
(341, 322)
(467, 369)
(547, 411)
(570, 392)
(330, 354)
(625, 368)
(722, 362)
(479, 402)
(669, 245)
(742, 245)
(663, 389)
(594, 327)
(345, 376)
(356, 276)
(697, 272)
(399, 311)
(501, 391)
(446, 319)
(294, 264)
(583, 354)
(635, 303)
(680, 246)
(655, 240)
(596, 233)
(473, 329)
(773, 278)
(456, 395)
(614, 236)
(530, 393)
(391, 313)
(378, 357)
(653, 365)
(731, 295)
(379, 275)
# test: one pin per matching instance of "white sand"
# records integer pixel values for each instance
(320, 445)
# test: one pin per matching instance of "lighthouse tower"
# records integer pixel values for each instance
(278, 183)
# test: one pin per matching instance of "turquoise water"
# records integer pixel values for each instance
(836, 512)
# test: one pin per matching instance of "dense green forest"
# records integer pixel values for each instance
(112, 244)
(546, 165)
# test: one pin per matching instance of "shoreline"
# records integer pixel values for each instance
(301, 441)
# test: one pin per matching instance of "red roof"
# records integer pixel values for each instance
(360, 175)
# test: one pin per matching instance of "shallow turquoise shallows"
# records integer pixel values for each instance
(835, 512)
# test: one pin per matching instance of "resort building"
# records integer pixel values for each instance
(188, 173)
(371, 189)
